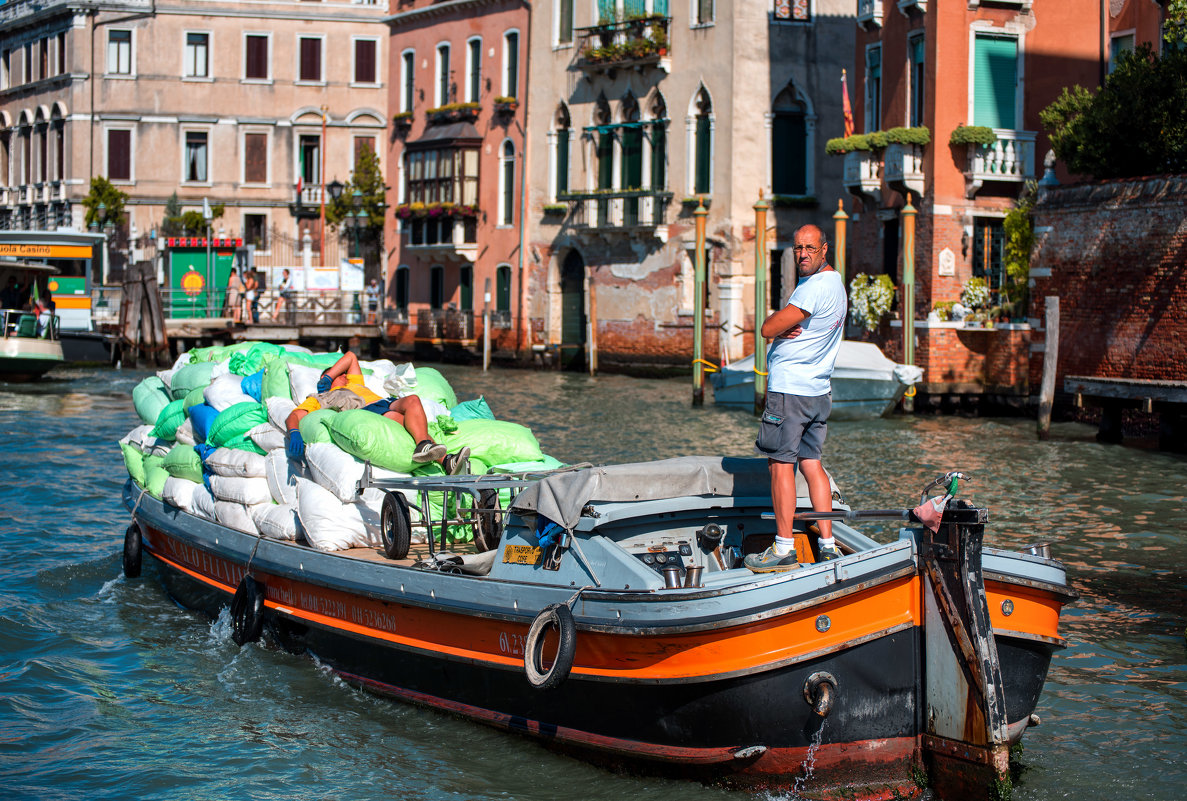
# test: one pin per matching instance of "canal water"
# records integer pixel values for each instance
(110, 691)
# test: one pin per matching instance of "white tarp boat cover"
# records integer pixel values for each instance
(562, 496)
(854, 360)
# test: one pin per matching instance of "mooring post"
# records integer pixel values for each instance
(486, 325)
(698, 322)
(593, 326)
(1050, 363)
(760, 303)
(908, 293)
(840, 232)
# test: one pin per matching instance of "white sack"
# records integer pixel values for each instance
(433, 409)
(185, 433)
(166, 377)
(297, 349)
(225, 391)
(280, 473)
(236, 516)
(233, 462)
(246, 491)
(331, 525)
(338, 471)
(279, 410)
(372, 502)
(221, 369)
(182, 360)
(303, 381)
(141, 439)
(180, 492)
(266, 437)
(277, 521)
(401, 381)
(203, 503)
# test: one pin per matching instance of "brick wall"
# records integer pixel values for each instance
(1115, 253)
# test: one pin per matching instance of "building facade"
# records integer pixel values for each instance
(638, 111)
(456, 160)
(974, 77)
(252, 105)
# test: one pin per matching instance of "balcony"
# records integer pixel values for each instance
(869, 13)
(616, 208)
(450, 325)
(903, 168)
(904, 6)
(1011, 158)
(629, 43)
(454, 112)
(863, 175)
(451, 235)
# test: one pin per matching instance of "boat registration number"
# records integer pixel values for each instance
(522, 554)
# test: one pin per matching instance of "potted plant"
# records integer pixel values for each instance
(869, 300)
(975, 296)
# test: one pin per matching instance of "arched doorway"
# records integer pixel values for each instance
(572, 346)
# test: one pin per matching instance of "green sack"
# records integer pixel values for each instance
(457, 532)
(193, 398)
(219, 353)
(149, 397)
(373, 437)
(134, 462)
(547, 463)
(182, 461)
(477, 409)
(247, 362)
(233, 423)
(155, 475)
(189, 378)
(276, 381)
(495, 441)
(431, 385)
(321, 361)
(169, 419)
(315, 426)
(243, 443)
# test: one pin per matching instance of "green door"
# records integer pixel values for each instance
(572, 350)
(995, 82)
(632, 171)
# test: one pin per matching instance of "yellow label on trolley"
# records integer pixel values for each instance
(522, 554)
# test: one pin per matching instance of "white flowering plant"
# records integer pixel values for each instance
(869, 299)
(975, 294)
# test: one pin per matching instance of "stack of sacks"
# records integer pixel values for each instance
(214, 431)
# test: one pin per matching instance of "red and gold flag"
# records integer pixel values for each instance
(845, 107)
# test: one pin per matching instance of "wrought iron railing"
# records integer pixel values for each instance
(626, 208)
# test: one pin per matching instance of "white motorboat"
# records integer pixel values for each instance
(866, 384)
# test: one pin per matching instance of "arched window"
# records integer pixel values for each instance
(473, 69)
(564, 129)
(507, 184)
(789, 145)
(659, 142)
(605, 158)
(702, 179)
(631, 174)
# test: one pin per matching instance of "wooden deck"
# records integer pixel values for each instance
(1167, 399)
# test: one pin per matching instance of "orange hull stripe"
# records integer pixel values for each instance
(1034, 612)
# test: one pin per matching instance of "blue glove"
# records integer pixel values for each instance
(295, 446)
(324, 383)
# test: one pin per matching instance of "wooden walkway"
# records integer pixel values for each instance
(1113, 396)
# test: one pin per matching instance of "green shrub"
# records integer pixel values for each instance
(972, 135)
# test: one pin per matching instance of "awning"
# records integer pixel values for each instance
(48, 269)
(455, 133)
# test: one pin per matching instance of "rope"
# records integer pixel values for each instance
(709, 366)
(910, 393)
(760, 372)
(143, 492)
(569, 603)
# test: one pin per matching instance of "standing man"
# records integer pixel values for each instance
(805, 337)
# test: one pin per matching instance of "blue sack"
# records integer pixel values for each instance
(253, 385)
(202, 415)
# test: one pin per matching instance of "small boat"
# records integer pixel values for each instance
(29, 343)
(605, 613)
(866, 384)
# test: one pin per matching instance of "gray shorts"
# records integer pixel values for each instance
(793, 427)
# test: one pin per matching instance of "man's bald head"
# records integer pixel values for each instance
(810, 250)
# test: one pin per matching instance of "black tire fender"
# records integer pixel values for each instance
(395, 525)
(247, 611)
(133, 550)
(560, 617)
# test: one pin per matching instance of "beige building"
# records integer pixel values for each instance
(637, 109)
(210, 99)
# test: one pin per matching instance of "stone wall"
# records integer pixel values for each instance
(1115, 253)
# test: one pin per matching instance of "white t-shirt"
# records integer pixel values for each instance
(804, 365)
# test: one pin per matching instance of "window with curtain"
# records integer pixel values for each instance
(444, 175)
(195, 156)
(995, 81)
(309, 151)
(916, 51)
(119, 52)
(197, 55)
(873, 88)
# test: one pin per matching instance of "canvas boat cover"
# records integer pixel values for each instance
(854, 360)
(562, 496)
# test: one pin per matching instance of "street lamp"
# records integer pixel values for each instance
(101, 223)
(356, 218)
(335, 188)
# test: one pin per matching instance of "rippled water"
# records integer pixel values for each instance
(109, 690)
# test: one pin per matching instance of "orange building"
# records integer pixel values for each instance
(980, 71)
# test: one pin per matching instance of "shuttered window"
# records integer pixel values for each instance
(119, 155)
(255, 158)
(659, 156)
(703, 151)
(995, 81)
(256, 58)
(364, 61)
(789, 153)
(503, 287)
(310, 59)
(562, 161)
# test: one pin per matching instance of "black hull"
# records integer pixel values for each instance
(87, 347)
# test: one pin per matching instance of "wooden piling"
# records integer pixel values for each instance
(1050, 362)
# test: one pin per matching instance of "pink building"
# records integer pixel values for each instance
(455, 170)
